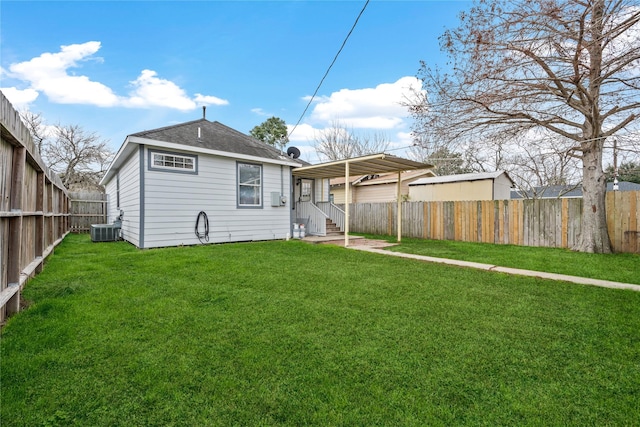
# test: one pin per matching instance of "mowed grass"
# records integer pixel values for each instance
(288, 333)
(619, 267)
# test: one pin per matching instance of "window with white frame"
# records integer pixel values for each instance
(249, 185)
(305, 191)
(174, 162)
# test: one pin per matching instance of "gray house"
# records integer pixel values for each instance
(199, 181)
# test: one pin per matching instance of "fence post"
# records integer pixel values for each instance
(15, 226)
(39, 237)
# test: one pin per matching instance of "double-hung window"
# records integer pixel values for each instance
(249, 178)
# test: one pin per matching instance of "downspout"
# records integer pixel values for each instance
(281, 180)
(142, 208)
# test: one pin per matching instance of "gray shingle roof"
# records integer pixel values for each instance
(213, 136)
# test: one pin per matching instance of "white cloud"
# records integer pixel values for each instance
(372, 108)
(260, 112)
(209, 100)
(303, 133)
(405, 139)
(49, 74)
(151, 91)
(20, 99)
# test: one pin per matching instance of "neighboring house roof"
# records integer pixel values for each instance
(460, 178)
(386, 178)
(390, 178)
(334, 182)
(202, 136)
(567, 191)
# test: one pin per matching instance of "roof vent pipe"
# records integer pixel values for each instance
(199, 133)
(204, 111)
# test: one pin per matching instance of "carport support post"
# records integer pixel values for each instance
(346, 204)
(399, 210)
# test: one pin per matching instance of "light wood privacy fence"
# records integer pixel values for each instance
(544, 222)
(86, 209)
(33, 209)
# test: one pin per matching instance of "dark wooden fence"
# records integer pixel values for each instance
(542, 222)
(86, 209)
(34, 209)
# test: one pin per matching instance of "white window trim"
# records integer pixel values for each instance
(163, 168)
(247, 206)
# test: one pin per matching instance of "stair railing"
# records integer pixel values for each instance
(333, 212)
(317, 224)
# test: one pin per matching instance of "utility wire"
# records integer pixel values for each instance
(329, 69)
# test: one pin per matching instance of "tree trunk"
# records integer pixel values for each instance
(594, 236)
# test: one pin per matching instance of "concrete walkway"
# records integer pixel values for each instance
(508, 270)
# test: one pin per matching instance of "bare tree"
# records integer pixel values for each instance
(36, 125)
(76, 155)
(79, 157)
(338, 142)
(569, 67)
(445, 162)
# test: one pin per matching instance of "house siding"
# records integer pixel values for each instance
(173, 202)
(502, 188)
(453, 191)
(379, 192)
(111, 189)
(129, 198)
(321, 190)
(338, 195)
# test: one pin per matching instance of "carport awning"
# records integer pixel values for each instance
(366, 165)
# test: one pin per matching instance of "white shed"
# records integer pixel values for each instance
(469, 186)
(198, 182)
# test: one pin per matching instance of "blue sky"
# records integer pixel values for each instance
(120, 67)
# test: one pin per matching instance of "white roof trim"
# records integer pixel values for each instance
(127, 148)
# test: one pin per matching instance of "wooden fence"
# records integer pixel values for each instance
(33, 209)
(86, 209)
(543, 222)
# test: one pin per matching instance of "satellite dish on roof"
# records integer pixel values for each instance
(293, 152)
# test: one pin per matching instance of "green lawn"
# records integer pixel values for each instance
(622, 267)
(289, 333)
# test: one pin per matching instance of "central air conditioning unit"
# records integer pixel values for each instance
(107, 232)
(104, 233)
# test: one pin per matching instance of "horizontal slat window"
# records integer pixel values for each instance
(172, 162)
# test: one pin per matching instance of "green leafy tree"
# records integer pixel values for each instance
(273, 131)
(627, 171)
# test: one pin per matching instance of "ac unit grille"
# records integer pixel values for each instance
(104, 232)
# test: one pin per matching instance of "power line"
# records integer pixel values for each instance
(329, 69)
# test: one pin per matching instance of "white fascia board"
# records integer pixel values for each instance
(128, 146)
(121, 155)
(189, 148)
